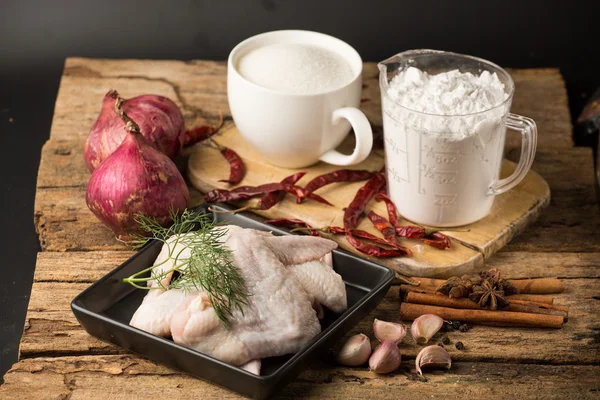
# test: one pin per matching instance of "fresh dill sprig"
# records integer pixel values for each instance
(208, 268)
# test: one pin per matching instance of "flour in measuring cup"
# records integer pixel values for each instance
(447, 93)
(444, 139)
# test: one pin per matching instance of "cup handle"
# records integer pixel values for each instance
(362, 131)
(528, 130)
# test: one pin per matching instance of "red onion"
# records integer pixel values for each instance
(135, 179)
(159, 119)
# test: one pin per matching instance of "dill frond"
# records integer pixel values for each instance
(209, 267)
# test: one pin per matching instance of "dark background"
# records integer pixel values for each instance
(37, 35)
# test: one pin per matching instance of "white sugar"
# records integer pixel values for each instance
(295, 68)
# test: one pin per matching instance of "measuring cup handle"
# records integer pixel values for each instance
(362, 131)
(528, 130)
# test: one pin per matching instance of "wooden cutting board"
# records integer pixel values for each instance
(511, 213)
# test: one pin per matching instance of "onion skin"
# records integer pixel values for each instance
(135, 179)
(159, 119)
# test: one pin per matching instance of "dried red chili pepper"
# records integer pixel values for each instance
(289, 222)
(411, 231)
(407, 231)
(366, 235)
(383, 226)
(198, 134)
(391, 209)
(300, 193)
(316, 197)
(355, 211)
(270, 199)
(440, 241)
(430, 237)
(340, 175)
(357, 207)
(376, 251)
(202, 133)
(236, 165)
(336, 230)
(241, 193)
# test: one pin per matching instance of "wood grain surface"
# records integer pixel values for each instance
(60, 361)
(52, 328)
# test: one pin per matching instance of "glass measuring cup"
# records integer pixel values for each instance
(443, 170)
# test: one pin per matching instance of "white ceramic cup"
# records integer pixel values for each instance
(297, 130)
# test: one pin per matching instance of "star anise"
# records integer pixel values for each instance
(487, 295)
(499, 283)
(456, 287)
(508, 288)
(490, 274)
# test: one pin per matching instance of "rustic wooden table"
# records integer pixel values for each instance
(60, 361)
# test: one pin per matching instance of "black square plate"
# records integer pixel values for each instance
(105, 308)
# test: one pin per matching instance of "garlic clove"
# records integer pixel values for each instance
(386, 358)
(424, 327)
(391, 331)
(433, 357)
(355, 351)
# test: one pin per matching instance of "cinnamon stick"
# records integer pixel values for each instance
(543, 305)
(418, 289)
(525, 286)
(532, 297)
(536, 298)
(429, 282)
(539, 285)
(410, 311)
(464, 303)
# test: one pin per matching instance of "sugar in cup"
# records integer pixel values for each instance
(296, 124)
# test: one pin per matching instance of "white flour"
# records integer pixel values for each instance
(441, 155)
(295, 68)
(448, 93)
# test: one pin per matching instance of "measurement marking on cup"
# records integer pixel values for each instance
(443, 142)
(442, 201)
(392, 146)
(441, 157)
(394, 174)
(441, 177)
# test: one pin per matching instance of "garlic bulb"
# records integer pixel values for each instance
(432, 357)
(356, 351)
(424, 327)
(391, 331)
(386, 358)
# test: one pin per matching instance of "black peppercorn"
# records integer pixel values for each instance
(459, 346)
(446, 340)
(456, 325)
(464, 327)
